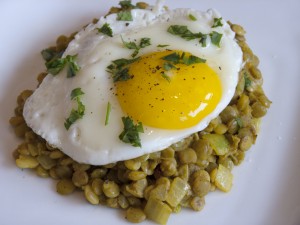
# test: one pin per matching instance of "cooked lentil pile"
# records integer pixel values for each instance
(155, 185)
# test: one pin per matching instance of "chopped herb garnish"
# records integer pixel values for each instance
(131, 132)
(215, 38)
(132, 45)
(168, 66)
(203, 39)
(106, 29)
(57, 64)
(192, 17)
(76, 93)
(73, 67)
(145, 42)
(217, 22)
(162, 46)
(248, 82)
(183, 32)
(186, 34)
(126, 4)
(192, 60)
(108, 110)
(119, 69)
(166, 77)
(173, 57)
(124, 16)
(176, 58)
(75, 113)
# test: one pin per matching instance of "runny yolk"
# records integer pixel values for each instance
(182, 101)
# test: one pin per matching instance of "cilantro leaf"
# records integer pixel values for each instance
(145, 42)
(124, 16)
(185, 33)
(76, 93)
(73, 67)
(119, 69)
(106, 29)
(217, 22)
(166, 77)
(192, 17)
(182, 31)
(122, 75)
(202, 40)
(75, 113)
(215, 38)
(176, 58)
(168, 66)
(132, 45)
(57, 64)
(108, 110)
(173, 57)
(162, 46)
(131, 132)
(192, 60)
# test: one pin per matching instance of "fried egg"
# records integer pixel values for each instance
(171, 100)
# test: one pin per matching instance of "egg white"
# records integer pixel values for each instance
(88, 140)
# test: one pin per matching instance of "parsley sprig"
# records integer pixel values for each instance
(186, 34)
(144, 42)
(119, 69)
(55, 65)
(130, 134)
(106, 29)
(75, 113)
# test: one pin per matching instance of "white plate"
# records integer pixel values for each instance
(266, 186)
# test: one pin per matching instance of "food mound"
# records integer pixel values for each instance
(146, 109)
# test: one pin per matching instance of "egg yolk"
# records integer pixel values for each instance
(174, 98)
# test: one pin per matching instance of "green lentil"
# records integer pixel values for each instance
(65, 187)
(26, 162)
(80, 178)
(110, 189)
(41, 172)
(90, 195)
(136, 175)
(135, 215)
(187, 156)
(97, 185)
(197, 203)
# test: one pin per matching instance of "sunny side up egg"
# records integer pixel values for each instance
(175, 85)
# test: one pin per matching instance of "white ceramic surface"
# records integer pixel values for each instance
(266, 186)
